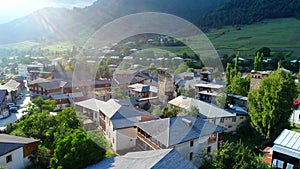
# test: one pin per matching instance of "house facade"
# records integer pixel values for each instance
(286, 150)
(207, 92)
(231, 119)
(142, 91)
(117, 121)
(190, 136)
(16, 152)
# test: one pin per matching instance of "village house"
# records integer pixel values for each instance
(13, 89)
(190, 136)
(142, 91)
(116, 120)
(155, 159)
(286, 150)
(231, 119)
(17, 152)
(124, 78)
(45, 87)
(207, 91)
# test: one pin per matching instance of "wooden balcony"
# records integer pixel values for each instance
(148, 141)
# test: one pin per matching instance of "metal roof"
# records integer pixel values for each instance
(206, 110)
(9, 143)
(121, 116)
(154, 159)
(176, 130)
(288, 142)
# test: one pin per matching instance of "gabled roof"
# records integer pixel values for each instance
(11, 85)
(154, 159)
(288, 142)
(58, 96)
(210, 85)
(206, 110)
(92, 104)
(47, 84)
(120, 115)
(138, 87)
(176, 130)
(9, 143)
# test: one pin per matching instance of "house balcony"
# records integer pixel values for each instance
(148, 141)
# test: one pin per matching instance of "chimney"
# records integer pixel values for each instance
(187, 122)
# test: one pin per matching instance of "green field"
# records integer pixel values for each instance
(278, 34)
(281, 35)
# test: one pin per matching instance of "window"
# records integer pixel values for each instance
(299, 118)
(222, 120)
(191, 155)
(192, 143)
(233, 119)
(8, 158)
(208, 149)
(241, 118)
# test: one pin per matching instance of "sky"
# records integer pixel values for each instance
(12, 9)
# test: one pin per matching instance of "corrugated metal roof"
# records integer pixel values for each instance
(206, 110)
(154, 159)
(121, 116)
(288, 142)
(175, 130)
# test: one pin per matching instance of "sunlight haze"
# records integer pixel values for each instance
(14, 9)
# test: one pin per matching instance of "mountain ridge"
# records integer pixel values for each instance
(243, 12)
(57, 24)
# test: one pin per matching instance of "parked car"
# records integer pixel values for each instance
(8, 105)
(13, 109)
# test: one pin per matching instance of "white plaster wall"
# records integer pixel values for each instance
(126, 138)
(17, 160)
(199, 149)
(228, 123)
(27, 161)
(295, 117)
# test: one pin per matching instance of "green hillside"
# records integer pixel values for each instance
(278, 34)
(281, 35)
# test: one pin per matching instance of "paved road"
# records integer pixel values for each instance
(16, 116)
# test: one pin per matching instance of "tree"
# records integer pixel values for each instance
(76, 151)
(228, 73)
(270, 104)
(265, 51)
(118, 93)
(193, 111)
(236, 63)
(222, 98)
(235, 156)
(169, 112)
(181, 68)
(258, 59)
(157, 111)
(124, 65)
(190, 92)
(239, 85)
